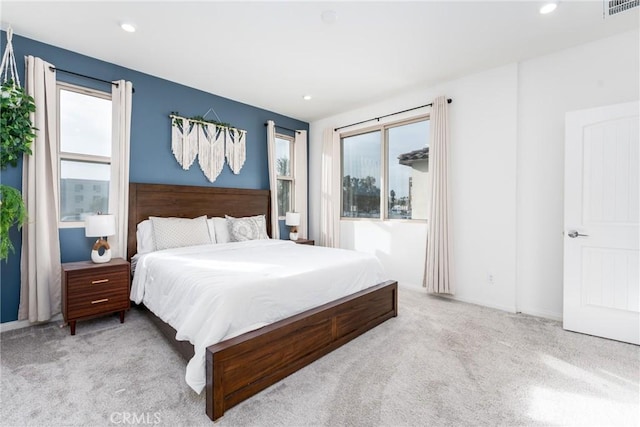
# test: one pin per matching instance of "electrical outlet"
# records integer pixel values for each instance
(490, 278)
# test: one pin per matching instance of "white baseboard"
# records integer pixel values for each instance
(531, 312)
(542, 313)
(411, 286)
(19, 324)
(481, 303)
(415, 287)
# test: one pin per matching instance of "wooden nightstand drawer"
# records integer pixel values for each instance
(84, 281)
(90, 289)
(93, 303)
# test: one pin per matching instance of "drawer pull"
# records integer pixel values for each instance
(95, 282)
(98, 301)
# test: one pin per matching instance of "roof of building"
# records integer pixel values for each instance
(414, 156)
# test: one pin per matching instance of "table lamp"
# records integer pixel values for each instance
(292, 219)
(100, 226)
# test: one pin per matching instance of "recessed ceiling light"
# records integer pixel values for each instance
(128, 27)
(548, 7)
(306, 97)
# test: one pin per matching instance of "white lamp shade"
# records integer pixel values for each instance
(99, 225)
(292, 218)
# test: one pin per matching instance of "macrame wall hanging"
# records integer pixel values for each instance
(236, 149)
(210, 141)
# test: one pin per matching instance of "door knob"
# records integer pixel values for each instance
(573, 234)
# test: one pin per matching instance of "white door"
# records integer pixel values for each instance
(601, 234)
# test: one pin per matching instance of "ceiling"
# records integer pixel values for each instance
(270, 54)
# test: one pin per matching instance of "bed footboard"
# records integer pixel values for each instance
(242, 366)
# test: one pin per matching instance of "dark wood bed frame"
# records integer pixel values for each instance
(240, 367)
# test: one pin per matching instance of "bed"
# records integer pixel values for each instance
(240, 367)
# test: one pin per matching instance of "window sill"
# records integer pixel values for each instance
(71, 224)
(408, 221)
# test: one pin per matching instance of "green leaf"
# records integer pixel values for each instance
(16, 130)
(12, 212)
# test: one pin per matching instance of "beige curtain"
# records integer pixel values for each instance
(40, 256)
(300, 180)
(273, 178)
(121, 98)
(330, 190)
(438, 275)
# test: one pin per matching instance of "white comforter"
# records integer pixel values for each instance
(210, 293)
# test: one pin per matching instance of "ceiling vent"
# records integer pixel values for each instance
(613, 7)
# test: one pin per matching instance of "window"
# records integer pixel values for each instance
(396, 188)
(408, 167)
(84, 123)
(284, 170)
(361, 175)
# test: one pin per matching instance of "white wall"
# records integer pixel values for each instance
(600, 73)
(507, 137)
(483, 137)
(399, 245)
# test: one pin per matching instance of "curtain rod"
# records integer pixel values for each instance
(86, 77)
(449, 101)
(282, 127)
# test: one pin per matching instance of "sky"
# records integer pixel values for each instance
(82, 115)
(283, 151)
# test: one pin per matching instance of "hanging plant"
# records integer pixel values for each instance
(16, 135)
(13, 213)
(16, 130)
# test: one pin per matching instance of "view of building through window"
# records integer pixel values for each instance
(84, 188)
(85, 152)
(408, 167)
(405, 168)
(284, 170)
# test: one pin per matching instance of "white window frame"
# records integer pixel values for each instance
(80, 157)
(290, 177)
(384, 166)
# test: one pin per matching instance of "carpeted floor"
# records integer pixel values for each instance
(440, 363)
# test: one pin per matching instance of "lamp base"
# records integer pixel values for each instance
(293, 236)
(95, 252)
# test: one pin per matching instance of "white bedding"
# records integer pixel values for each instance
(210, 293)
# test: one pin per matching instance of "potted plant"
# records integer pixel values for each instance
(12, 212)
(16, 135)
(16, 131)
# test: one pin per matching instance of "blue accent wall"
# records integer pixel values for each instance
(151, 158)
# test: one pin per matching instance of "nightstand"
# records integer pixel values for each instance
(305, 242)
(90, 290)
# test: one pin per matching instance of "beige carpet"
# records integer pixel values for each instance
(440, 363)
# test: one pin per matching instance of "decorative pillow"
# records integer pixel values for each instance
(212, 230)
(247, 228)
(179, 232)
(221, 229)
(144, 237)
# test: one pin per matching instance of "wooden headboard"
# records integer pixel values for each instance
(185, 201)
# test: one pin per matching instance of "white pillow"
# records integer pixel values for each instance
(218, 228)
(144, 237)
(212, 230)
(247, 228)
(179, 232)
